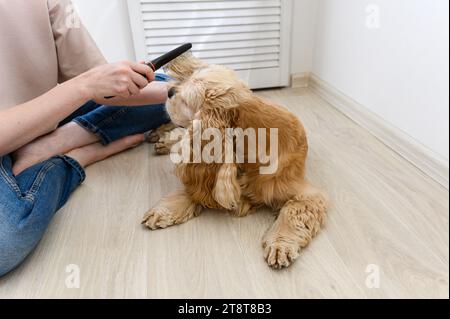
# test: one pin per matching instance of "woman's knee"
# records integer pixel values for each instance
(15, 245)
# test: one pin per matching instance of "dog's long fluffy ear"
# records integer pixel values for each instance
(219, 109)
(225, 98)
(227, 191)
(184, 66)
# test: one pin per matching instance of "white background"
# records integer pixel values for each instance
(399, 71)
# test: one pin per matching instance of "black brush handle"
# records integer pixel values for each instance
(158, 63)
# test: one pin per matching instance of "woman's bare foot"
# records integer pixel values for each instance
(96, 152)
(65, 139)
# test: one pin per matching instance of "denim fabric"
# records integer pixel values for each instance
(111, 123)
(28, 203)
(30, 200)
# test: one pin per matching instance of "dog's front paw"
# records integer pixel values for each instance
(162, 148)
(158, 218)
(152, 137)
(155, 135)
(168, 140)
(280, 253)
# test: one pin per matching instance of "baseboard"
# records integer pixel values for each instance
(423, 158)
(300, 80)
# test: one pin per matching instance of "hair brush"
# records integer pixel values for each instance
(158, 63)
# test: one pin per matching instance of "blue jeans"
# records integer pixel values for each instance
(30, 200)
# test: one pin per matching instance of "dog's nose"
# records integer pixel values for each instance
(171, 93)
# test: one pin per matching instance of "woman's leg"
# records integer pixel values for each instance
(29, 201)
(66, 137)
(59, 142)
(85, 109)
(111, 123)
(90, 124)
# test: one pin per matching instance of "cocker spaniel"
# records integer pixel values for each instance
(206, 97)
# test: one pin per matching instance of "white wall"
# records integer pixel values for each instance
(399, 70)
(303, 32)
(109, 24)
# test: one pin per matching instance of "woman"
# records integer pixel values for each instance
(53, 118)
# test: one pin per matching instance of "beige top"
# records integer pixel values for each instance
(42, 43)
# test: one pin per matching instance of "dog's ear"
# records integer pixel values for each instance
(184, 66)
(220, 97)
(227, 191)
(218, 113)
(221, 105)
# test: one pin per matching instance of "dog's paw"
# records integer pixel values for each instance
(280, 253)
(158, 218)
(162, 148)
(152, 137)
(168, 140)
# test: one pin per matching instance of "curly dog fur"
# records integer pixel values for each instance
(215, 96)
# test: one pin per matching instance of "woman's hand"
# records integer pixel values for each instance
(123, 79)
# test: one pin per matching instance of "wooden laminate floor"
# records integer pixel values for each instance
(386, 218)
